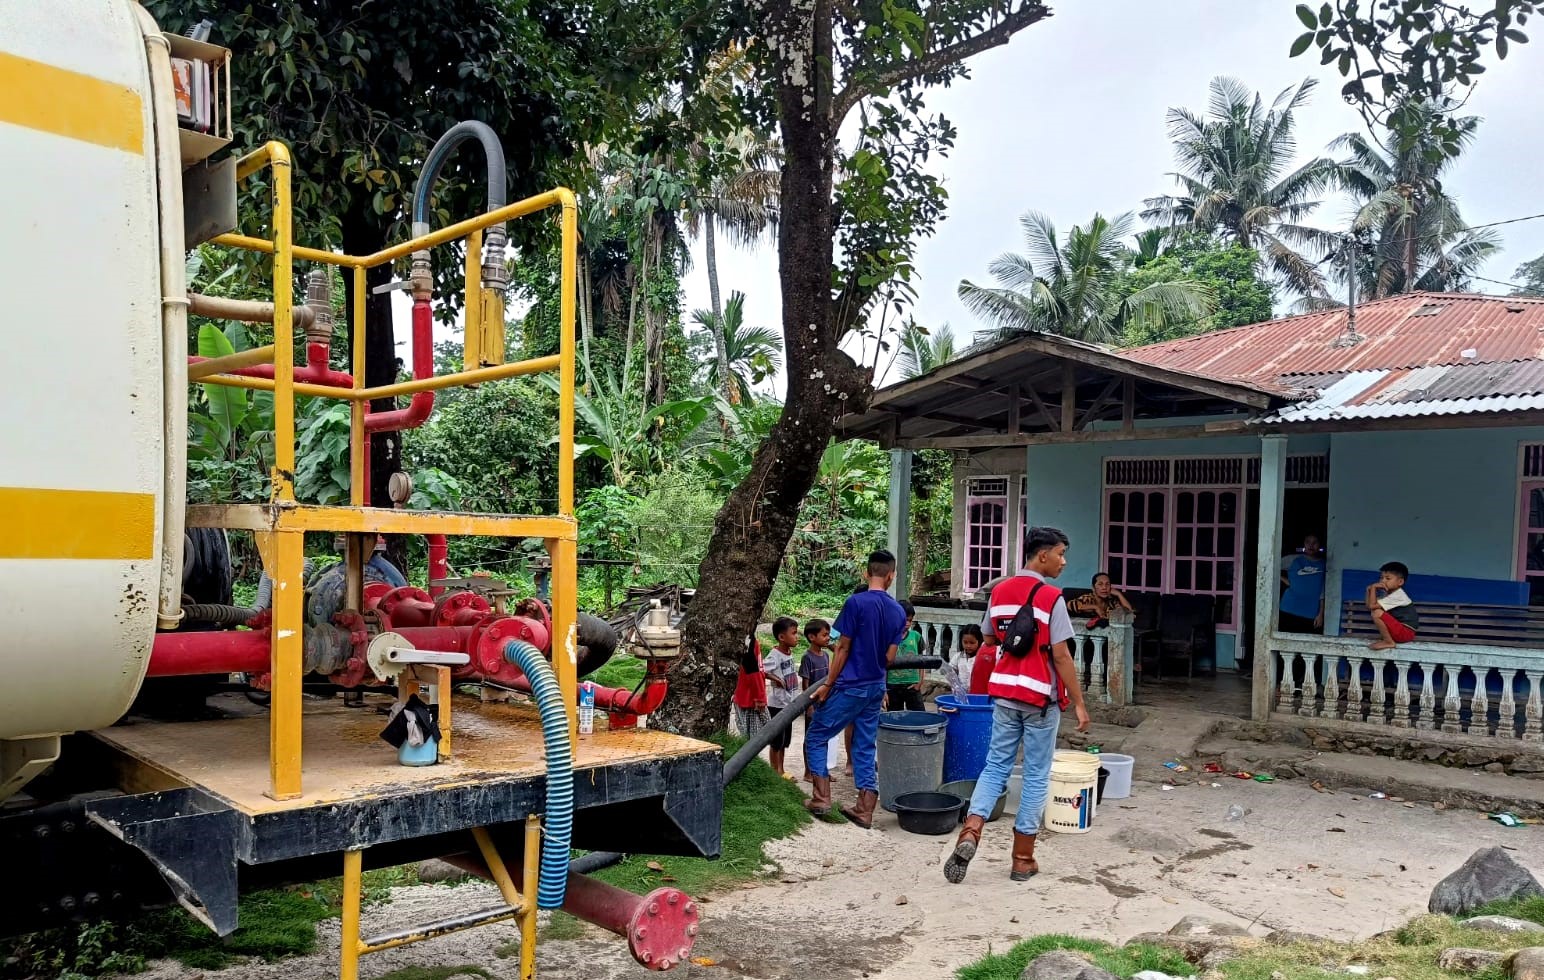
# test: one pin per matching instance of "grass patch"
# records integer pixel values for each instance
(621, 670)
(560, 926)
(1531, 909)
(1122, 962)
(759, 806)
(1410, 954)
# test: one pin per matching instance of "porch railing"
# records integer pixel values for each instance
(1104, 656)
(1489, 692)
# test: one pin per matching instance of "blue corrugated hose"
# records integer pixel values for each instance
(558, 823)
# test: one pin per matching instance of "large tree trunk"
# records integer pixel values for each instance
(720, 347)
(756, 522)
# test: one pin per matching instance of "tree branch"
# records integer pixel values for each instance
(999, 34)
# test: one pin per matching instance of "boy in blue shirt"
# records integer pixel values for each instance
(872, 626)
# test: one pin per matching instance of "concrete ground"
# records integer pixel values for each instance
(844, 903)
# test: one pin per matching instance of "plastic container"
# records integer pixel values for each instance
(1015, 791)
(1069, 808)
(967, 735)
(587, 708)
(1119, 785)
(934, 814)
(426, 754)
(965, 789)
(911, 754)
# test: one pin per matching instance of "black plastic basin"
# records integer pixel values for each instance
(934, 814)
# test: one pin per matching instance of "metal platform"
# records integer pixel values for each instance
(198, 807)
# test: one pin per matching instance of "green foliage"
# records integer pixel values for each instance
(607, 516)
(621, 671)
(1397, 54)
(1121, 961)
(1077, 287)
(436, 972)
(923, 350)
(674, 521)
(1237, 177)
(753, 354)
(1228, 271)
(1530, 909)
(759, 806)
(844, 518)
(322, 456)
(1530, 276)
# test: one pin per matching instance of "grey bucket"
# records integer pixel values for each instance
(911, 754)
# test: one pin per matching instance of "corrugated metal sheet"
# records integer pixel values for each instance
(1447, 389)
(1493, 328)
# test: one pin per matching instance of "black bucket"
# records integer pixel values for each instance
(1104, 774)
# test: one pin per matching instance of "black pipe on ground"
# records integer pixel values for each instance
(736, 763)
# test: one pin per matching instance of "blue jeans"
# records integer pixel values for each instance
(1010, 729)
(857, 705)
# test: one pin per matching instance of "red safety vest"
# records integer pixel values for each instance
(1030, 679)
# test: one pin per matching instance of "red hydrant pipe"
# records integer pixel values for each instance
(417, 411)
(222, 652)
(439, 562)
(315, 371)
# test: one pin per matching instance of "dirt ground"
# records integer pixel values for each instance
(845, 903)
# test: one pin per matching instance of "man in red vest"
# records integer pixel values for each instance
(1029, 690)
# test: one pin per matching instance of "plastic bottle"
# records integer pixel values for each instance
(587, 708)
(1236, 813)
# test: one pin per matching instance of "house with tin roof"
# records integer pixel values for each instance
(1194, 472)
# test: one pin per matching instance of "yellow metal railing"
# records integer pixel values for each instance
(281, 539)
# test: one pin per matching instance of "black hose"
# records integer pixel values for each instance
(218, 613)
(493, 150)
(736, 764)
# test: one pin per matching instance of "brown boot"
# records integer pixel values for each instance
(819, 802)
(862, 811)
(1024, 865)
(964, 849)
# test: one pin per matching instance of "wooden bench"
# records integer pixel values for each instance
(1458, 622)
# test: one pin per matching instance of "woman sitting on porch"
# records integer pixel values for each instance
(1103, 600)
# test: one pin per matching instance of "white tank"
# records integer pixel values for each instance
(82, 459)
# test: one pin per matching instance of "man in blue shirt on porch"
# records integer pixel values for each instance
(1302, 605)
(872, 625)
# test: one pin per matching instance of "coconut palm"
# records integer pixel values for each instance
(1236, 177)
(1075, 288)
(751, 354)
(923, 350)
(1418, 239)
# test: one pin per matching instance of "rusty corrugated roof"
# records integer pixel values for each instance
(1404, 332)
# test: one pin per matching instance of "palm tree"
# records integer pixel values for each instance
(1235, 177)
(750, 354)
(1075, 288)
(1418, 238)
(923, 350)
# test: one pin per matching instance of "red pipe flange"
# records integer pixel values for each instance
(460, 609)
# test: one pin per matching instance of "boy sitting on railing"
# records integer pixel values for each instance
(1392, 612)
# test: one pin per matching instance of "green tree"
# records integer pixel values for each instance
(750, 354)
(360, 91)
(1236, 178)
(922, 350)
(1418, 237)
(1530, 276)
(1227, 271)
(815, 65)
(1398, 55)
(1074, 288)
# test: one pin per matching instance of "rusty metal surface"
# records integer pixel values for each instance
(346, 759)
(1497, 329)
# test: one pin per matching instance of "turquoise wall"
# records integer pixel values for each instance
(1442, 502)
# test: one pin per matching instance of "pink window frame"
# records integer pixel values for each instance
(1003, 547)
(1524, 528)
(1110, 557)
(1196, 525)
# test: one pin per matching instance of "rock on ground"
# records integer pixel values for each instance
(1489, 875)
(1502, 924)
(1462, 960)
(1059, 964)
(1200, 925)
(1527, 964)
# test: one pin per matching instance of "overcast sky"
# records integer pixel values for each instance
(1069, 119)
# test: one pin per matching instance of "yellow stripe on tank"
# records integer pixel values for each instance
(66, 103)
(80, 524)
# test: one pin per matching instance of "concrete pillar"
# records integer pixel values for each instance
(899, 533)
(1273, 484)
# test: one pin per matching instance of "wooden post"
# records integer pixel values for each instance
(899, 530)
(1128, 408)
(1069, 406)
(1273, 482)
(1015, 401)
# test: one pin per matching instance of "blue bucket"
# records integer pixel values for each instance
(967, 736)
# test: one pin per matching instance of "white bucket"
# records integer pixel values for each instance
(1118, 785)
(1069, 808)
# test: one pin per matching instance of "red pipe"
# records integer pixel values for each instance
(316, 371)
(417, 411)
(622, 705)
(439, 562)
(222, 652)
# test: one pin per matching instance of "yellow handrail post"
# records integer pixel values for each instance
(358, 445)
